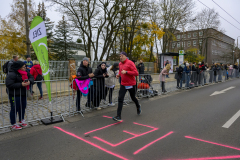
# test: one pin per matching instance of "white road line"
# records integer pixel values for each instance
(231, 120)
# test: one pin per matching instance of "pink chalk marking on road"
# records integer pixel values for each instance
(102, 127)
(94, 145)
(149, 144)
(144, 125)
(213, 143)
(210, 158)
(130, 133)
(107, 117)
(134, 136)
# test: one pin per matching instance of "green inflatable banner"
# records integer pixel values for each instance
(38, 38)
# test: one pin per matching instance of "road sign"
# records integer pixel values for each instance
(181, 57)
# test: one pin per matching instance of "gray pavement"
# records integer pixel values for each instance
(186, 124)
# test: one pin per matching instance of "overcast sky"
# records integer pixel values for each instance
(231, 6)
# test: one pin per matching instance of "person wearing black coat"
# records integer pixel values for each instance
(141, 69)
(99, 84)
(84, 72)
(18, 81)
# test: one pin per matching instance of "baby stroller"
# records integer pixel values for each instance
(145, 89)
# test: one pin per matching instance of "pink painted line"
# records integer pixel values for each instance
(144, 125)
(107, 117)
(210, 158)
(130, 133)
(148, 132)
(134, 136)
(149, 144)
(94, 145)
(102, 128)
(213, 143)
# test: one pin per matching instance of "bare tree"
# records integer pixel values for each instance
(173, 15)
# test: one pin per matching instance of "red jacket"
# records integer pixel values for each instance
(128, 79)
(35, 70)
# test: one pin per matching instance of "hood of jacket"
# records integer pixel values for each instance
(100, 68)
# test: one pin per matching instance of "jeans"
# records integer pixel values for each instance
(39, 85)
(187, 80)
(110, 93)
(121, 96)
(78, 100)
(17, 107)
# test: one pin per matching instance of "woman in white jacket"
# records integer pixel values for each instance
(110, 82)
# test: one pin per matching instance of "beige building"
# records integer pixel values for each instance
(215, 46)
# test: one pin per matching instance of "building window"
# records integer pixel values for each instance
(183, 44)
(195, 34)
(189, 43)
(194, 43)
(178, 45)
(189, 35)
(200, 42)
(173, 45)
(184, 36)
(201, 33)
(178, 36)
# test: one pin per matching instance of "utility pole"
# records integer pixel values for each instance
(27, 27)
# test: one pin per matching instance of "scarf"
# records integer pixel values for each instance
(24, 76)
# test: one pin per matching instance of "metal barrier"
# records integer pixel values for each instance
(68, 101)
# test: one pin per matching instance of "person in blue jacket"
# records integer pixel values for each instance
(28, 63)
(187, 71)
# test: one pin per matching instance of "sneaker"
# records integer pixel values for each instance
(139, 111)
(23, 123)
(111, 104)
(40, 98)
(98, 108)
(16, 127)
(104, 102)
(117, 118)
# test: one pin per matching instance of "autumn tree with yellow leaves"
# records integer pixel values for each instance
(143, 42)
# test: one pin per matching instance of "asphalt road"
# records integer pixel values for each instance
(182, 125)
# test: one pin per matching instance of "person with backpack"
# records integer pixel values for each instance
(17, 83)
(6, 67)
(36, 72)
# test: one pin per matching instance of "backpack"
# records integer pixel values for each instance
(5, 67)
(39, 76)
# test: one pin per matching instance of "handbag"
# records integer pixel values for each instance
(39, 76)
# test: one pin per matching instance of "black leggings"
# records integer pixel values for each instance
(110, 93)
(121, 96)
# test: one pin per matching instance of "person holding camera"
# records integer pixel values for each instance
(18, 81)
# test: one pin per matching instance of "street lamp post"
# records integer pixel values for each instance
(237, 41)
(233, 57)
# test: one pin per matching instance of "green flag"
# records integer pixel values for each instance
(38, 38)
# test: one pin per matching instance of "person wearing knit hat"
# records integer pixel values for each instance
(86, 59)
(84, 72)
(17, 82)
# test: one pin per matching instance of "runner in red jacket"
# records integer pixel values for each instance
(127, 72)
